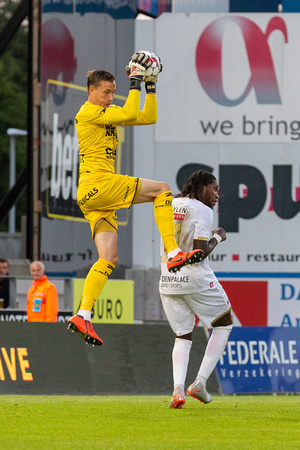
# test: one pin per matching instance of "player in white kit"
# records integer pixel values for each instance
(195, 290)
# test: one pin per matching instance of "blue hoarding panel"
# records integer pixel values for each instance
(254, 6)
(117, 9)
(290, 6)
(261, 360)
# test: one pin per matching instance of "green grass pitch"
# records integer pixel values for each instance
(145, 422)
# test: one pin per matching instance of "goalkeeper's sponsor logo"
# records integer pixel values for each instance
(87, 196)
(110, 130)
(110, 153)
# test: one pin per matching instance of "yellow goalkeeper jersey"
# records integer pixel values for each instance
(97, 131)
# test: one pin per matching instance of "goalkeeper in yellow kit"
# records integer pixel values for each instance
(101, 192)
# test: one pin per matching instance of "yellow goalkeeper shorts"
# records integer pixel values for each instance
(99, 198)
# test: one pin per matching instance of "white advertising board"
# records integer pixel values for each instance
(227, 102)
(229, 78)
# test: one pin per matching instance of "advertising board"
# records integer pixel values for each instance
(228, 103)
(77, 37)
(115, 304)
(261, 360)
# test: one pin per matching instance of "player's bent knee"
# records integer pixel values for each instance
(187, 336)
(163, 187)
(113, 259)
(225, 328)
(110, 256)
(225, 320)
(223, 332)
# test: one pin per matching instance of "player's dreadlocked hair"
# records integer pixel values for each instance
(195, 183)
(95, 77)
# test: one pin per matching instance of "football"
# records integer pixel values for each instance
(155, 68)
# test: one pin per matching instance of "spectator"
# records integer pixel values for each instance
(42, 298)
(4, 282)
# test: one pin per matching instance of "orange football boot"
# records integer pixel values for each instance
(182, 259)
(85, 330)
(178, 399)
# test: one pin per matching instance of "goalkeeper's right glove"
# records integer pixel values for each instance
(139, 64)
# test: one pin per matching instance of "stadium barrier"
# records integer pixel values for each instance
(145, 304)
(46, 358)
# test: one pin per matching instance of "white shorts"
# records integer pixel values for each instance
(209, 305)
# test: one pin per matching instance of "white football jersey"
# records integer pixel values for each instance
(193, 220)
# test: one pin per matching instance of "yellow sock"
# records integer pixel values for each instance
(164, 217)
(95, 282)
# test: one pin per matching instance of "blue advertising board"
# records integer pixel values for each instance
(290, 6)
(261, 360)
(254, 6)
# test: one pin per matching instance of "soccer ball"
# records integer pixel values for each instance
(155, 68)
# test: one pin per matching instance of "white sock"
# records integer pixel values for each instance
(213, 352)
(173, 253)
(180, 357)
(87, 315)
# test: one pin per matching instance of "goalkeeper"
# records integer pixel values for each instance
(101, 191)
